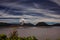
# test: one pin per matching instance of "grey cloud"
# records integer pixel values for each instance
(49, 15)
(57, 1)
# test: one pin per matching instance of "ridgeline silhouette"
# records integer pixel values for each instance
(28, 24)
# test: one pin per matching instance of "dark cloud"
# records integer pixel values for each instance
(40, 9)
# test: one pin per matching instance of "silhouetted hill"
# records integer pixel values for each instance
(41, 24)
(57, 24)
(8, 24)
(27, 24)
(12, 24)
(4, 24)
(44, 24)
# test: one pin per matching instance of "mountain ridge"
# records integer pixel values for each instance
(28, 24)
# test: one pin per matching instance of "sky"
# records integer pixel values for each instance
(33, 11)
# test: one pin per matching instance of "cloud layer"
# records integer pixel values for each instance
(32, 11)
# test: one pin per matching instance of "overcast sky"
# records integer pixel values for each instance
(33, 11)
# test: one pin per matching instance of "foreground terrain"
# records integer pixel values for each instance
(38, 32)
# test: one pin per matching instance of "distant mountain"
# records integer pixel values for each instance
(41, 24)
(45, 24)
(12, 24)
(27, 24)
(8, 24)
(4, 24)
(57, 24)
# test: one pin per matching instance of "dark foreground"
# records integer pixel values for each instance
(40, 33)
